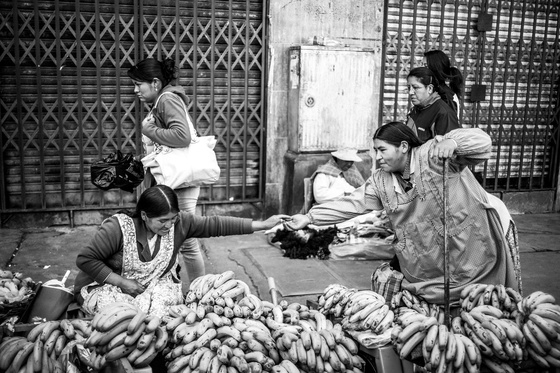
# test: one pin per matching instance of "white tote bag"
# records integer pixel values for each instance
(194, 165)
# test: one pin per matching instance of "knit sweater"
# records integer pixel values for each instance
(104, 253)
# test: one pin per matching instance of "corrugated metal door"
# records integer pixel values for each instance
(66, 100)
(518, 62)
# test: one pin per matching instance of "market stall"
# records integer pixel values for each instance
(222, 327)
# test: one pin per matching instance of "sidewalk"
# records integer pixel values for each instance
(47, 253)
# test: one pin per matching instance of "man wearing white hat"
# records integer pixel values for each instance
(338, 177)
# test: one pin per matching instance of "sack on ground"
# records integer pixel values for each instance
(195, 165)
(117, 171)
(386, 281)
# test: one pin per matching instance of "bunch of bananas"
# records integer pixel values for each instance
(361, 310)
(46, 347)
(334, 298)
(498, 296)
(122, 330)
(500, 340)
(14, 288)
(541, 328)
(406, 299)
(416, 334)
(208, 289)
(315, 345)
(216, 343)
(248, 306)
(367, 311)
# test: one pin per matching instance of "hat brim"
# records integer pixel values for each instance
(347, 157)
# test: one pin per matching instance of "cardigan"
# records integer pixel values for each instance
(104, 253)
(476, 241)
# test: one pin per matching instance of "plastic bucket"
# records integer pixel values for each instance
(51, 301)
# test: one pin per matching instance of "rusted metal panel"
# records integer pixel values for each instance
(518, 59)
(67, 101)
(331, 98)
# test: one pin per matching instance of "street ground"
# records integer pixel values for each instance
(47, 253)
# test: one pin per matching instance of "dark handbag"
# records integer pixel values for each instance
(117, 171)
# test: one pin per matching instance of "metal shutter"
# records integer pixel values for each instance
(519, 62)
(66, 99)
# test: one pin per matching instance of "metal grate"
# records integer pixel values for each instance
(66, 100)
(519, 62)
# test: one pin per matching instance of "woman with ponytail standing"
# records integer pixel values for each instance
(167, 124)
(448, 77)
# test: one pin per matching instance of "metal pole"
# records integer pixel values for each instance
(445, 246)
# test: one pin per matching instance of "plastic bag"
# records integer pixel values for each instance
(386, 281)
(117, 171)
(360, 248)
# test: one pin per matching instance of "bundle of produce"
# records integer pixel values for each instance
(541, 328)
(121, 330)
(314, 345)
(212, 289)
(498, 296)
(16, 293)
(416, 334)
(334, 298)
(47, 346)
(361, 310)
(292, 314)
(499, 340)
(237, 344)
(405, 298)
(366, 311)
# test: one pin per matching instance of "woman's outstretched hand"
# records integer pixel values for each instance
(270, 222)
(297, 222)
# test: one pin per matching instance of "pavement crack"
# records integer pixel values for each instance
(240, 265)
(16, 250)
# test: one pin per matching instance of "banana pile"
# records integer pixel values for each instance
(497, 330)
(334, 298)
(207, 344)
(499, 340)
(541, 328)
(223, 327)
(362, 310)
(205, 290)
(122, 330)
(46, 347)
(220, 327)
(14, 288)
(314, 343)
(406, 299)
(498, 296)
(441, 349)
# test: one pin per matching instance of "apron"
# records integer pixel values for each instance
(161, 291)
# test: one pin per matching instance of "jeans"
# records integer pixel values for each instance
(190, 249)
